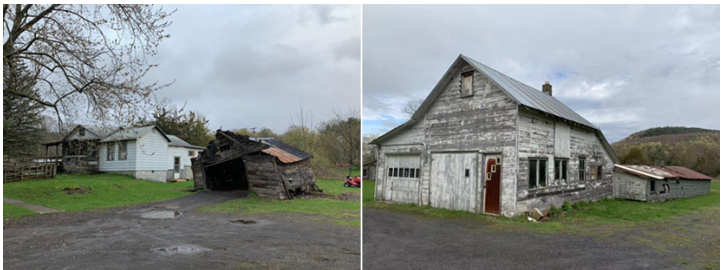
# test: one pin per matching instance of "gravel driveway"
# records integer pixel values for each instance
(121, 239)
(402, 241)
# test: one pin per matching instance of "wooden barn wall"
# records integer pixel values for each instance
(537, 138)
(630, 187)
(677, 189)
(298, 175)
(263, 176)
(484, 122)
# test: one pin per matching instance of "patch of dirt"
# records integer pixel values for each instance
(243, 221)
(77, 190)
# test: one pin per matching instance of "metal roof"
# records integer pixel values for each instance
(131, 134)
(288, 148)
(654, 172)
(529, 96)
(176, 141)
(281, 154)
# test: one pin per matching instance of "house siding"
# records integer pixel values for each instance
(116, 165)
(537, 139)
(152, 152)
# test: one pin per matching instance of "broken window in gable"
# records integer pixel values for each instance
(467, 84)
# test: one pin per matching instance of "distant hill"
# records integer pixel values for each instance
(695, 148)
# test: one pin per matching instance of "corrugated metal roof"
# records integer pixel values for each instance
(282, 155)
(529, 96)
(288, 148)
(176, 141)
(662, 172)
(131, 134)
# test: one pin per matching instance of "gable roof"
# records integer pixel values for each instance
(133, 133)
(521, 93)
(178, 142)
(92, 136)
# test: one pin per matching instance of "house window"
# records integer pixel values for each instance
(594, 172)
(561, 167)
(467, 84)
(582, 168)
(111, 151)
(390, 171)
(123, 150)
(537, 172)
(82, 131)
(191, 153)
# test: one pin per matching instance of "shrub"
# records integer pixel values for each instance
(566, 207)
(578, 205)
(554, 210)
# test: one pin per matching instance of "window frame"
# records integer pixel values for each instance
(123, 155)
(191, 153)
(111, 151)
(538, 180)
(562, 172)
(463, 91)
(582, 169)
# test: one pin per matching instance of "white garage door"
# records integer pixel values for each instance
(453, 181)
(403, 179)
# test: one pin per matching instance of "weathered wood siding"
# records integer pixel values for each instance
(537, 138)
(484, 123)
(450, 187)
(678, 189)
(399, 188)
(263, 176)
(630, 187)
(298, 175)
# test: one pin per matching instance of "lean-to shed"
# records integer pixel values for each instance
(269, 167)
(653, 183)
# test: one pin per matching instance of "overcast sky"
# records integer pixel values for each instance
(253, 66)
(624, 68)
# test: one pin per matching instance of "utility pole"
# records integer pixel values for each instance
(253, 129)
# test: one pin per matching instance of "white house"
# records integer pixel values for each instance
(146, 153)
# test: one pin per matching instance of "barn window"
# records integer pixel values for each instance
(467, 84)
(111, 151)
(468, 172)
(390, 171)
(537, 172)
(417, 173)
(560, 170)
(652, 186)
(225, 147)
(599, 173)
(406, 172)
(594, 172)
(191, 153)
(395, 172)
(582, 168)
(123, 150)
(82, 131)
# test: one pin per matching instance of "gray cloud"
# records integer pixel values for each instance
(625, 68)
(255, 65)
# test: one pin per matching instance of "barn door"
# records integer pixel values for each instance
(453, 181)
(403, 179)
(492, 178)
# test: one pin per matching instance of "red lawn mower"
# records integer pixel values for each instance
(352, 182)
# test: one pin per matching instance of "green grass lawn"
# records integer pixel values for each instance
(100, 191)
(368, 190)
(337, 211)
(12, 211)
(340, 212)
(608, 212)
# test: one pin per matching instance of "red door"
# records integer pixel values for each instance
(492, 177)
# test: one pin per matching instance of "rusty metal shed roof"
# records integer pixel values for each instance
(667, 172)
(281, 154)
(284, 152)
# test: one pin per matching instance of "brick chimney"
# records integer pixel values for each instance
(546, 88)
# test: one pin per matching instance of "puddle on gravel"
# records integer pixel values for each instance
(243, 221)
(161, 214)
(181, 249)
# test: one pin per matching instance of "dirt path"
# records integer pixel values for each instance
(121, 239)
(401, 241)
(34, 207)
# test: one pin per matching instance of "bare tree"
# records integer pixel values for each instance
(412, 106)
(367, 148)
(86, 57)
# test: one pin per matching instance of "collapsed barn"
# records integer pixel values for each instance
(269, 167)
(658, 183)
